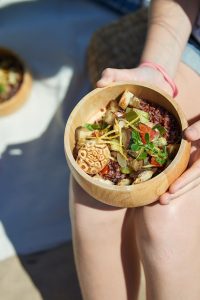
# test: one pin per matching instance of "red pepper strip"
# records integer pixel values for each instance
(105, 170)
(146, 129)
(154, 162)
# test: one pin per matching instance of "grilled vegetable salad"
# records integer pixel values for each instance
(133, 141)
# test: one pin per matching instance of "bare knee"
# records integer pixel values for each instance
(160, 235)
(155, 220)
(90, 218)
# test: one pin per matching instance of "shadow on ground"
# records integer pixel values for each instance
(47, 275)
(53, 273)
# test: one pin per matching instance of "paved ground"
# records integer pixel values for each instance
(48, 275)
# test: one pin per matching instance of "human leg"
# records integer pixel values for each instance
(104, 247)
(169, 236)
(87, 213)
(169, 244)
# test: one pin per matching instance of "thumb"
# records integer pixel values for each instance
(110, 75)
(192, 133)
(107, 77)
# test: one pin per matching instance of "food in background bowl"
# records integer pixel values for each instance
(90, 110)
(11, 76)
(133, 141)
(15, 82)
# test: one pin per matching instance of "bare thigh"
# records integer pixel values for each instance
(169, 236)
(104, 247)
(189, 92)
(168, 239)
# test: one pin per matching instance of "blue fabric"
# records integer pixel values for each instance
(123, 6)
(191, 56)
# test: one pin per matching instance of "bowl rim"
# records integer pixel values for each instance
(99, 183)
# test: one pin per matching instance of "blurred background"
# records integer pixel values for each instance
(51, 37)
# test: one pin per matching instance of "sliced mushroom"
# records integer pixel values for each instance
(82, 133)
(144, 176)
(109, 117)
(121, 160)
(126, 137)
(133, 154)
(135, 164)
(113, 106)
(114, 154)
(111, 109)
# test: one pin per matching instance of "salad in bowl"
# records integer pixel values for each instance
(132, 141)
(124, 144)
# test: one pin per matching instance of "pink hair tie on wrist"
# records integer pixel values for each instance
(164, 73)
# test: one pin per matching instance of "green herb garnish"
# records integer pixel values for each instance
(162, 156)
(147, 138)
(136, 137)
(135, 147)
(160, 128)
(142, 155)
(161, 161)
(93, 127)
(149, 148)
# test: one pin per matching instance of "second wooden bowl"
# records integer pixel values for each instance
(20, 96)
(137, 194)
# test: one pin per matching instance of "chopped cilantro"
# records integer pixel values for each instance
(149, 148)
(92, 127)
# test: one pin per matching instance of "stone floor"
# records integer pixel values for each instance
(48, 275)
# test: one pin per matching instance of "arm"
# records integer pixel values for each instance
(170, 24)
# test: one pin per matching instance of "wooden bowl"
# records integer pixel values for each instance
(133, 195)
(17, 100)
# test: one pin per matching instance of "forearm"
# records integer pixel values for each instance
(170, 24)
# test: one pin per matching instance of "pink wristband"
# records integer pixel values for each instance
(163, 72)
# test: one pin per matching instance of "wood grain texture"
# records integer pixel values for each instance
(18, 99)
(124, 196)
